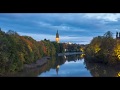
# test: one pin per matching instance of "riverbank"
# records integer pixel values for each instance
(27, 67)
(38, 63)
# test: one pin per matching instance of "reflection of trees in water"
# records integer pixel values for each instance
(74, 57)
(52, 63)
(30, 72)
(102, 70)
(62, 59)
(36, 71)
(59, 61)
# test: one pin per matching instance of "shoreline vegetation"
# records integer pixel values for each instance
(104, 49)
(18, 52)
(33, 65)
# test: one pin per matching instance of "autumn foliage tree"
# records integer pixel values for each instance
(16, 50)
(103, 49)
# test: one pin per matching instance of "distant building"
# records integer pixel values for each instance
(69, 43)
(57, 37)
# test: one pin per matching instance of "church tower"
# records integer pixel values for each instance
(57, 37)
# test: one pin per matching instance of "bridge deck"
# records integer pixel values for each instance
(69, 53)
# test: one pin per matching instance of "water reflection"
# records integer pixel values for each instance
(57, 69)
(54, 63)
(67, 66)
(73, 66)
(102, 70)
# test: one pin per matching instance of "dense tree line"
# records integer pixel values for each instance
(104, 49)
(16, 50)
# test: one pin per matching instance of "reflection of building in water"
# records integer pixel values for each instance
(57, 69)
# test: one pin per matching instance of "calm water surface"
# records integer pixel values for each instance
(70, 66)
(75, 68)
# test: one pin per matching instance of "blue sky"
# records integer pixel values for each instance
(72, 27)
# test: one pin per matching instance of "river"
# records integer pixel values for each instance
(69, 66)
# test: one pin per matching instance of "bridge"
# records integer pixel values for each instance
(69, 53)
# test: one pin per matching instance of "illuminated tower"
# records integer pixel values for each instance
(57, 37)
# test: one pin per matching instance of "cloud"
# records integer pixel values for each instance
(39, 37)
(62, 27)
(104, 16)
(72, 27)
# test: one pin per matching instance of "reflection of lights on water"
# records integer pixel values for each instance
(119, 56)
(82, 55)
(119, 74)
(58, 66)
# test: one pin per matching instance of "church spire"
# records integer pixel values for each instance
(57, 37)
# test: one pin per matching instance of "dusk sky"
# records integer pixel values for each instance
(72, 27)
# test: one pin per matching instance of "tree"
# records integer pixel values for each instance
(101, 49)
(108, 34)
